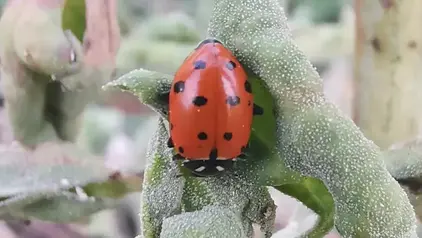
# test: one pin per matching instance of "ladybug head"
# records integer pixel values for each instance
(205, 168)
(208, 41)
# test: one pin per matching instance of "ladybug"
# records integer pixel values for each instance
(210, 110)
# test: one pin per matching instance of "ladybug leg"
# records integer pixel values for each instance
(257, 110)
(244, 150)
(170, 143)
(177, 157)
(164, 97)
(241, 157)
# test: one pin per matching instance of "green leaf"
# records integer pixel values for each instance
(210, 222)
(59, 183)
(165, 194)
(314, 195)
(404, 162)
(162, 189)
(261, 166)
(175, 27)
(58, 207)
(73, 17)
(313, 136)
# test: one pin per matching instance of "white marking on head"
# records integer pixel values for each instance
(219, 168)
(200, 169)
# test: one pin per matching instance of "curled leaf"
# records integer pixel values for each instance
(251, 200)
(315, 196)
(313, 136)
(261, 166)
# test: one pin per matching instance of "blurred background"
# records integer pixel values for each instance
(157, 35)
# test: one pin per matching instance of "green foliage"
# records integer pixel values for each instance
(322, 11)
(403, 161)
(315, 196)
(73, 17)
(303, 136)
(160, 43)
(210, 222)
(35, 53)
(45, 186)
(129, 13)
(162, 191)
(99, 125)
(175, 26)
(165, 195)
(314, 137)
(262, 166)
(49, 178)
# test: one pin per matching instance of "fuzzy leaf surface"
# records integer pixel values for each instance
(313, 136)
(261, 167)
(404, 162)
(165, 194)
(212, 221)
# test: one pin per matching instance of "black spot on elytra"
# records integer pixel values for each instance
(249, 103)
(248, 87)
(181, 150)
(233, 100)
(170, 143)
(200, 64)
(199, 101)
(213, 154)
(179, 87)
(231, 65)
(257, 110)
(228, 136)
(202, 136)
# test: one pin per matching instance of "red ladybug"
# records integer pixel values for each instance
(210, 109)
